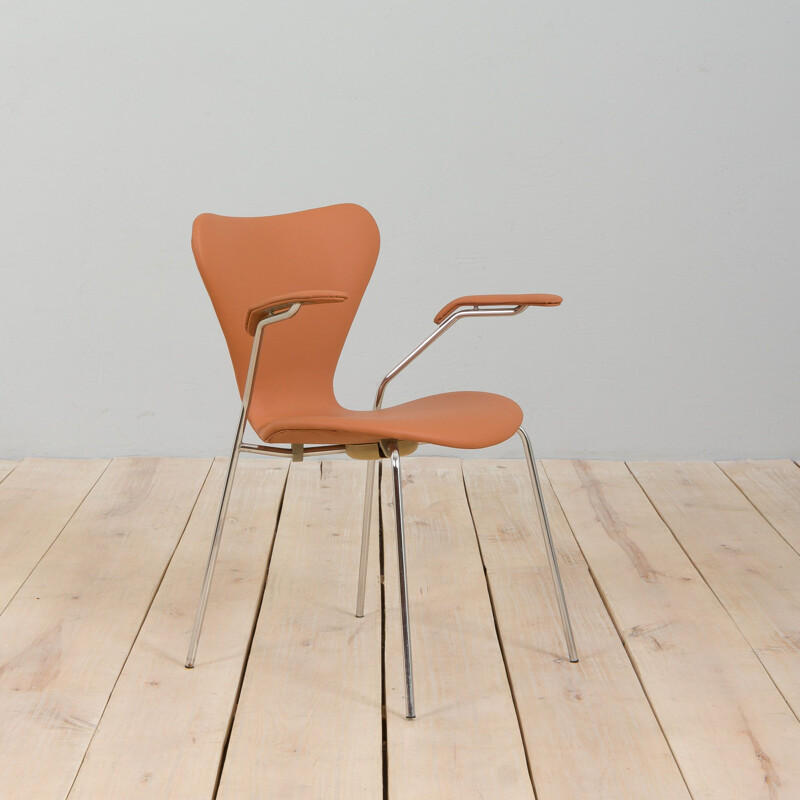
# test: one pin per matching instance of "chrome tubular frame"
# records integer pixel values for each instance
(365, 526)
(447, 322)
(297, 452)
(549, 546)
(451, 319)
(268, 450)
(397, 481)
(238, 447)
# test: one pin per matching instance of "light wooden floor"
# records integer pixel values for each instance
(683, 580)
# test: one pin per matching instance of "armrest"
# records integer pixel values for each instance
(310, 297)
(483, 305)
(484, 300)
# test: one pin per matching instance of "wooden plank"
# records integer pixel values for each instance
(65, 635)
(465, 741)
(589, 730)
(773, 487)
(730, 730)
(6, 467)
(749, 567)
(37, 500)
(163, 730)
(308, 724)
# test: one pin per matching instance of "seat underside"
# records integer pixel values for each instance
(464, 420)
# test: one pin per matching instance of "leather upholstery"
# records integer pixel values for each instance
(498, 300)
(453, 419)
(243, 260)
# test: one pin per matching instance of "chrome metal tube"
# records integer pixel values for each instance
(226, 492)
(323, 449)
(397, 479)
(549, 546)
(366, 521)
(212, 557)
(446, 323)
(269, 450)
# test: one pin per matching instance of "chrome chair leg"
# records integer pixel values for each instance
(365, 531)
(549, 547)
(278, 316)
(212, 558)
(397, 479)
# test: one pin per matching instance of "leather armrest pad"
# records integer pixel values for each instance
(498, 300)
(310, 297)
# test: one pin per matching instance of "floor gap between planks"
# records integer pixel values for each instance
(682, 579)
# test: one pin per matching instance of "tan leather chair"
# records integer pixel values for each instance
(260, 271)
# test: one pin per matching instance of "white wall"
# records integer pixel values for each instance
(639, 158)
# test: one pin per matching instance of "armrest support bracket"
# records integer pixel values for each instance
(472, 306)
(283, 302)
(484, 300)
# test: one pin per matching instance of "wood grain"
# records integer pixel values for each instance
(37, 500)
(749, 567)
(465, 742)
(730, 730)
(65, 635)
(308, 724)
(163, 730)
(589, 730)
(773, 487)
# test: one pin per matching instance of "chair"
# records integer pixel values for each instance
(261, 271)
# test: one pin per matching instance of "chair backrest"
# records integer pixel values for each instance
(246, 261)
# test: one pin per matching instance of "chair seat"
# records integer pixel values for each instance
(455, 419)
